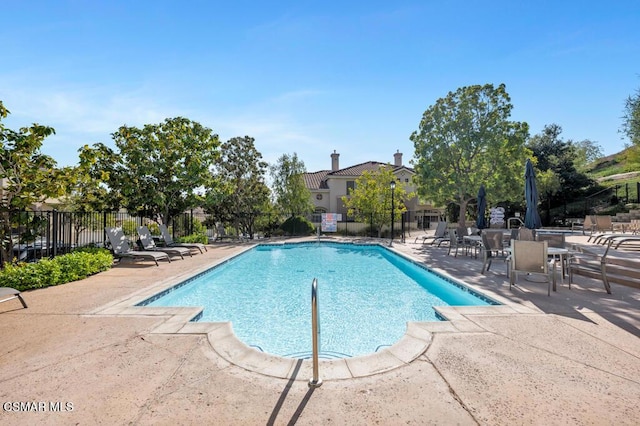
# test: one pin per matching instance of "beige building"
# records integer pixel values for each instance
(329, 186)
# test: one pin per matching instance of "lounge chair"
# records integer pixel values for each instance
(168, 241)
(121, 249)
(440, 232)
(221, 233)
(149, 245)
(531, 257)
(588, 224)
(13, 294)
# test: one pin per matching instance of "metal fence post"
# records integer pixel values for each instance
(55, 233)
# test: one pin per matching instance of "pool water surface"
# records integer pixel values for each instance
(366, 295)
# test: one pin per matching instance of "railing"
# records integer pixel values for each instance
(28, 236)
(316, 381)
(517, 220)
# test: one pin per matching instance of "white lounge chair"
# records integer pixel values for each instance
(13, 294)
(149, 245)
(168, 240)
(439, 234)
(121, 249)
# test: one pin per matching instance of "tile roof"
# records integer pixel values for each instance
(358, 169)
(318, 180)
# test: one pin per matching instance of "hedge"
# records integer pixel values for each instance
(60, 270)
(297, 225)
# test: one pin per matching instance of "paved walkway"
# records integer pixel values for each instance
(572, 358)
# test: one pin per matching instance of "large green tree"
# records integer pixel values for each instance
(291, 194)
(561, 157)
(28, 176)
(157, 171)
(243, 195)
(631, 125)
(465, 140)
(584, 153)
(370, 200)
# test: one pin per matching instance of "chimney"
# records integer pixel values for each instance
(335, 162)
(397, 159)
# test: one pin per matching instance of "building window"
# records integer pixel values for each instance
(351, 185)
(319, 197)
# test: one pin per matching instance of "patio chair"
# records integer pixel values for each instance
(121, 249)
(588, 224)
(493, 248)
(149, 245)
(168, 241)
(455, 241)
(221, 233)
(440, 232)
(554, 240)
(531, 257)
(13, 294)
(606, 224)
(526, 234)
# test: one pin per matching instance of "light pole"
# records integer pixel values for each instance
(392, 184)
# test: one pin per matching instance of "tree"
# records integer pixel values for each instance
(559, 156)
(292, 195)
(27, 175)
(370, 200)
(585, 152)
(244, 193)
(157, 170)
(631, 118)
(548, 184)
(631, 125)
(466, 140)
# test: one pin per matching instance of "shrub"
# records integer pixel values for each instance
(153, 228)
(130, 227)
(198, 227)
(297, 225)
(59, 270)
(193, 238)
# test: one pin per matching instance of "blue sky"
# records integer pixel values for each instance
(313, 77)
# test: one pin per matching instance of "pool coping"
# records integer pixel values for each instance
(413, 344)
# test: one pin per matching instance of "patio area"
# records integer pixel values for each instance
(571, 358)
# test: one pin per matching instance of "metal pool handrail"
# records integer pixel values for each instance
(316, 381)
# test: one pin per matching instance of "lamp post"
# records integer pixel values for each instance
(392, 184)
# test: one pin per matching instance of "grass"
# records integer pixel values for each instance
(614, 170)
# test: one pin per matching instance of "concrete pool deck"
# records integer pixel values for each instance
(572, 358)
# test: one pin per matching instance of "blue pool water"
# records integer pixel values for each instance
(366, 295)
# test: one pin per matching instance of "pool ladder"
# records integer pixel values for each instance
(315, 381)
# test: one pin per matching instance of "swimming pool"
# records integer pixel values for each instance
(367, 294)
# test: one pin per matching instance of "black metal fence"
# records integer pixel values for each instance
(32, 235)
(626, 193)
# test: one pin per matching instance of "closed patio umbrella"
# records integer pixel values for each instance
(481, 221)
(532, 218)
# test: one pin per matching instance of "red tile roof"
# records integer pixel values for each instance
(318, 180)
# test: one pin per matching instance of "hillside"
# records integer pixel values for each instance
(616, 172)
(611, 165)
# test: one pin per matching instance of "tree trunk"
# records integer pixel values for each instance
(462, 223)
(6, 245)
